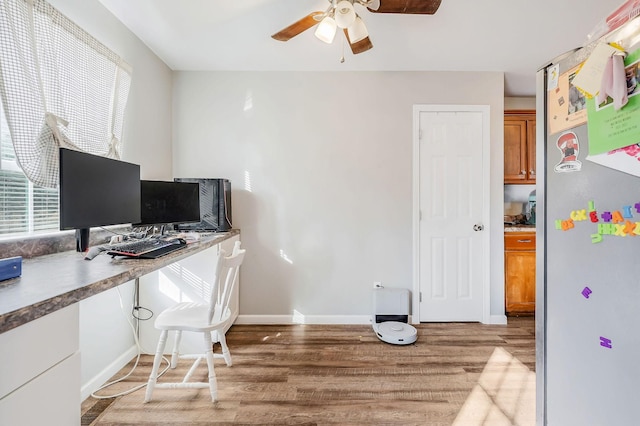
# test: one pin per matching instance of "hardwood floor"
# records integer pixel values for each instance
(455, 374)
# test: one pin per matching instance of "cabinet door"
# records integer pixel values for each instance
(520, 272)
(52, 398)
(531, 149)
(515, 149)
(22, 357)
(520, 279)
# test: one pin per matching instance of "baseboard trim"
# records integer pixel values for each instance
(303, 319)
(327, 319)
(101, 378)
(498, 319)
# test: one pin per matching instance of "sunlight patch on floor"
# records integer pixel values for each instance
(505, 394)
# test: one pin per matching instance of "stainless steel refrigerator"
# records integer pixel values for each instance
(588, 249)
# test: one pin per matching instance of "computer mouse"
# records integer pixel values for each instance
(93, 252)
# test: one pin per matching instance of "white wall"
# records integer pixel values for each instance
(519, 103)
(105, 336)
(321, 171)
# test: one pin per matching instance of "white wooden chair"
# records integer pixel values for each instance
(202, 318)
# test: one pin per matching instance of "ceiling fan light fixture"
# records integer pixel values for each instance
(373, 4)
(326, 30)
(345, 14)
(357, 31)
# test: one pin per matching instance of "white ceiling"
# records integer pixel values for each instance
(514, 36)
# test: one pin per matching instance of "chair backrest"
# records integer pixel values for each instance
(225, 278)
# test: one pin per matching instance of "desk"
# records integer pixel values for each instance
(49, 283)
(39, 327)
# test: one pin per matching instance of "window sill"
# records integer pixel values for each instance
(29, 246)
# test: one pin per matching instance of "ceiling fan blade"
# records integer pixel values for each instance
(423, 7)
(297, 27)
(359, 46)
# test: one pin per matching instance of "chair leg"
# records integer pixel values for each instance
(176, 349)
(213, 387)
(225, 349)
(153, 377)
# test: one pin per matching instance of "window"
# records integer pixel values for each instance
(24, 207)
(60, 87)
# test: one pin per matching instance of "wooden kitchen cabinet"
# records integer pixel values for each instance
(520, 273)
(520, 147)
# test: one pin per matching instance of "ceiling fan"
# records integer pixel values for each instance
(341, 14)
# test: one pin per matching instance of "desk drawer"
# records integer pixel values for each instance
(31, 349)
(52, 398)
(520, 241)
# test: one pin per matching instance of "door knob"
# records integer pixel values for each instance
(478, 227)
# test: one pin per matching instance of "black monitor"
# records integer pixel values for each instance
(168, 202)
(96, 191)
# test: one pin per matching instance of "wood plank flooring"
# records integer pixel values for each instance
(462, 374)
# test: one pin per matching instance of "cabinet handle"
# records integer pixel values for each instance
(524, 241)
(523, 172)
(532, 172)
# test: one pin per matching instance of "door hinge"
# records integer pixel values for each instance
(420, 297)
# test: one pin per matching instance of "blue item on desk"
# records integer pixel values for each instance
(10, 267)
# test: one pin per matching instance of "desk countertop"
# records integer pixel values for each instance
(51, 282)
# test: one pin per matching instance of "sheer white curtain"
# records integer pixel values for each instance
(59, 87)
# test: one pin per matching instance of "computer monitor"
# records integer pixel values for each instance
(96, 191)
(168, 202)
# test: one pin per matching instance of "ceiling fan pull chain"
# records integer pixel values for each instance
(342, 57)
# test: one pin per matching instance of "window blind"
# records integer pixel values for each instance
(13, 203)
(24, 207)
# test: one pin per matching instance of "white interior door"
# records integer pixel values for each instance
(451, 261)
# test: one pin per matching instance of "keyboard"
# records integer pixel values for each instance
(149, 248)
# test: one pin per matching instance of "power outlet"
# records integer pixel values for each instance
(377, 284)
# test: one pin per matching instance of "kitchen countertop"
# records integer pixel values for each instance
(519, 228)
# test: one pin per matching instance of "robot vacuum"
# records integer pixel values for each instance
(391, 316)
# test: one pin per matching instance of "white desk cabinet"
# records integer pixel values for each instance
(40, 371)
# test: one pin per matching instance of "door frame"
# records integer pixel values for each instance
(486, 240)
